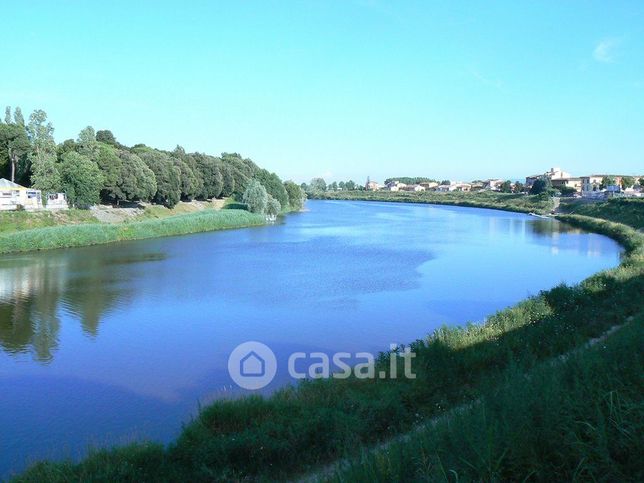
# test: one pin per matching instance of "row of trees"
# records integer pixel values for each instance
(318, 184)
(95, 168)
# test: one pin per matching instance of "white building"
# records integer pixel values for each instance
(13, 196)
(395, 186)
(493, 184)
(56, 201)
(413, 187)
(553, 174)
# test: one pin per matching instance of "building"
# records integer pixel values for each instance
(591, 183)
(372, 186)
(413, 187)
(462, 187)
(553, 174)
(429, 185)
(15, 197)
(574, 183)
(445, 188)
(395, 186)
(56, 201)
(493, 184)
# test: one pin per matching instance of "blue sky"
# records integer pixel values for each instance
(343, 89)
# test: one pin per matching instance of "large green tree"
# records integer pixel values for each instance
(82, 180)
(255, 197)
(197, 181)
(607, 181)
(125, 176)
(87, 143)
(628, 182)
(41, 134)
(540, 185)
(209, 168)
(167, 174)
(506, 187)
(189, 182)
(45, 175)
(273, 185)
(273, 207)
(317, 184)
(296, 195)
(14, 151)
(228, 179)
(106, 136)
(243, 169)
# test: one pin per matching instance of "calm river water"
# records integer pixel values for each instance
(105, 345)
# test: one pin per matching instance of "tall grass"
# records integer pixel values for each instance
(301, 427)
(580, 420)
(98, 233)
(11, 221)
(629, 211)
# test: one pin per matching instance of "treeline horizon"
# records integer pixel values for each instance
(96, 168)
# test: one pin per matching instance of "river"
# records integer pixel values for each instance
(111, 344)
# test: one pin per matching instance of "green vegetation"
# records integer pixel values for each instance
(255, 197)
(12, 221)
(629, 211)
(97, 168)
(580, 420)
(77, 235)
(482, 199)
(541, 185)
(536, 403)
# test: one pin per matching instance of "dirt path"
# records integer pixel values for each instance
(112, 214)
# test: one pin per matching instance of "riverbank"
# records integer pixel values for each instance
(323, 420)
(520, 203)
(93, 233)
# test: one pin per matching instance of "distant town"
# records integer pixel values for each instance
(556, 181)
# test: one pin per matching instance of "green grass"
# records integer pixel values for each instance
(66, 236)
(582, 419)
(299, 428)
(11, 221)
(629, 211)
(483, 199)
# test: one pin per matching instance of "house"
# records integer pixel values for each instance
(553, 174)
(575, 183)
(444, 188)
(413, 187)
(591, 183)
(462, 187)
(372, 186)
(428, 185)
(395, 186)
(13, 197)
(493, 184)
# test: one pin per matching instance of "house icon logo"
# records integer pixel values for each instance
(252, 365)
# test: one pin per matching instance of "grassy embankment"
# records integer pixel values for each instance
(629, 211)
(88, 233)
(12, 221)
(578, 418)
(483, 199)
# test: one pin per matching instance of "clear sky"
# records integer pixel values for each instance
(343, 89)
